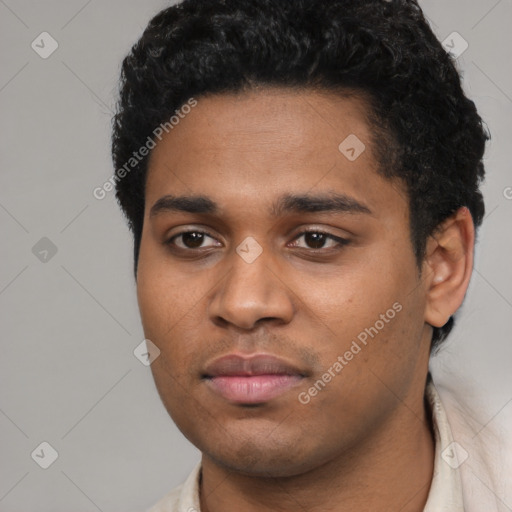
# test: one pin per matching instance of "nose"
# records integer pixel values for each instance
(250, 293)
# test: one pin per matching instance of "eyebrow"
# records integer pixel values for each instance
(286, 204)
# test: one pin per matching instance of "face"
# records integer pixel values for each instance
(286, 302)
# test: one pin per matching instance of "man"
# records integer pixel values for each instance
(302, 182)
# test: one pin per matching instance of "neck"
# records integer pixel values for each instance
(391, 471)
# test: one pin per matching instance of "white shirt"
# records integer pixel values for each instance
(455, 464)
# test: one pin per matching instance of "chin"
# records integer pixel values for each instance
(257, 460)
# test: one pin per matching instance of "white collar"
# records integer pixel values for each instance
(445, 493)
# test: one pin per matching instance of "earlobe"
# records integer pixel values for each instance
(448, 266)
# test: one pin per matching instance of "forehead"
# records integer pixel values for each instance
(282, 120)
(252, 145)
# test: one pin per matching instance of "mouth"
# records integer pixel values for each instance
(251, 380)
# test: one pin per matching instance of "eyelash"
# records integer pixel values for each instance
(341, 242)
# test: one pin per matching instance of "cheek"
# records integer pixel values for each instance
(165, 315)
(164, 295)
(171, 307)
(351, 299)
(378, 304)
(154, 307)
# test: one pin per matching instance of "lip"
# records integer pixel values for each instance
(251, 379)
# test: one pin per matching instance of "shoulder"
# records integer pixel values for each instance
(483, 446)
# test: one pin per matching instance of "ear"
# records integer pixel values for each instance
(447, 266)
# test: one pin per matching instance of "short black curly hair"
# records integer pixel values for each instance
(427, 132)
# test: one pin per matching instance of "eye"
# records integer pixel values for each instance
(190, 239)
(316, 239)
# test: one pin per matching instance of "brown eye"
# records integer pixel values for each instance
(189, 239)
(317, 239)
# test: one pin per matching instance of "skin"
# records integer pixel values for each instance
(365, 441)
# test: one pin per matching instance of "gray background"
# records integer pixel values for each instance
(70, 324)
